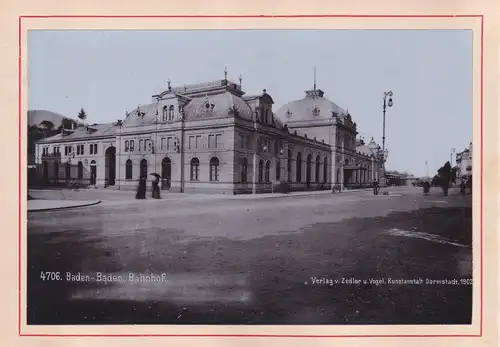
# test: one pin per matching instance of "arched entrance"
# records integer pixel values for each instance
(144, 168)
(110, 166)
(93, 172)
(166, 173)
(80, 170)
(45, 171)
(56, 171)
(308, 170)
(68, 171)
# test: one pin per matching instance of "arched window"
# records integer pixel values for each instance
(164, 114)
(128, 169)
(325, 170)
(68, 171)
(298, 168)
(195, 169)
(261, 171)
(171, 112)
(80, 170)
(317, 169)
(278, 170)
(244, 170)
(214, 169)
(144, 168)
(289, 165)
(268, 169)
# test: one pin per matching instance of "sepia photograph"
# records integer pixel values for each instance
(249, 177)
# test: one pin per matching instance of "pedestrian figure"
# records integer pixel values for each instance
(156, 188)
(462, 186)
(375, 187)
(427, 186)
(141, 189)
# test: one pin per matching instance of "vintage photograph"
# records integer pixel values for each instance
(249, 177)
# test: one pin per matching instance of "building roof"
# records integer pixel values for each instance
(96, 130)
(313, 106)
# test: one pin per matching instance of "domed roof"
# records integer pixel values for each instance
(218, 105)
(312, 107)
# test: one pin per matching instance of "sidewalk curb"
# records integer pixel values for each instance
(65, 207)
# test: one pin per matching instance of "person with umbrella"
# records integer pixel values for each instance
(156, 186)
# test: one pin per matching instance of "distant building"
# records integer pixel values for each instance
(211, 137)
(464, 162)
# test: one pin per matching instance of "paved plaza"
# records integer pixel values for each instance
(345, 258)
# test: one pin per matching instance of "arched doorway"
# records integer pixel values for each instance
(308, 170)
(80, 170)
(93, 172)
(144, 168)
(56, 171)
(298, 169)
(166, 173)
(68, 171)
(110, 166)
(45, 171)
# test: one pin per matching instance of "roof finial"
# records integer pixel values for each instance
(314, 78)
(225, 73)
(168, 82)
(241, 79)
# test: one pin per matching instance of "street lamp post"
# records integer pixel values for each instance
(387, 103)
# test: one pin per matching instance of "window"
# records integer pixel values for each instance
(244, 170)
(211, 141)
(191, 142)
(131, 145)
(214, 169)
(164, 115)
(298, 164)
(242, 141)
(195, 169)
(198, 141)
(162, 144)
(289, 165)
(317, 171)
(217, 141)
(126, 146)
(278, 170)
(325, 170)
(140, 145)
(268, 169)
(171, 113)
(128, 169)
(79, 149)
(169, 143)
(91, 147)
(261, 171)
(95, 148)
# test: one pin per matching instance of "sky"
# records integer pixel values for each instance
(429, 71)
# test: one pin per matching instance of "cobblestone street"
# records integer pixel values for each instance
(243, 260)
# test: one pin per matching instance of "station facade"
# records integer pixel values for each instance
(212, 137)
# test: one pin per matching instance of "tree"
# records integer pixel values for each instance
(47, 125)
(82, 115)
